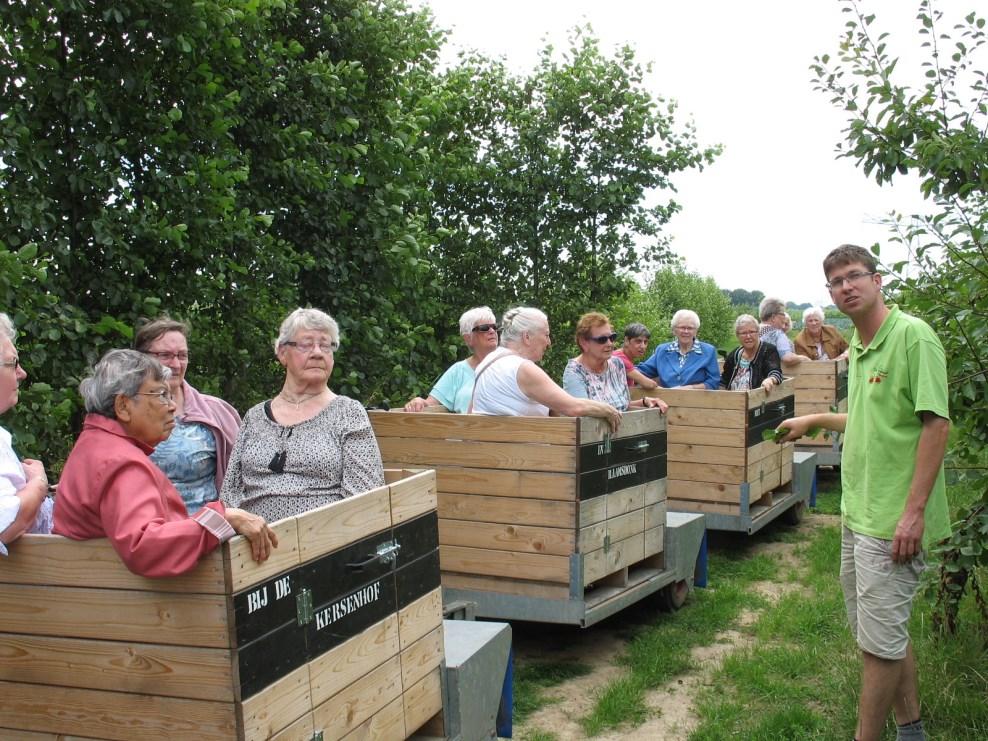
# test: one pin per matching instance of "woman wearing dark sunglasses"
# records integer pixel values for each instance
(595, 373)
(452, 391)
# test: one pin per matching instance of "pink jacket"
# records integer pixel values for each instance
(110, 488)
(219, 417)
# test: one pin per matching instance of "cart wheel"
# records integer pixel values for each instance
(794, 515)
(672, 596)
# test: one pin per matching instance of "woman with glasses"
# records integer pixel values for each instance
(24, 503)
(110, 488)
(686, 362)
(307, 446)
(452, 391)
(196, 453)
(509, 383)
(754, 364)
(595, 373)
(819, 341)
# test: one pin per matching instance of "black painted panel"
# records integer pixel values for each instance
(417, 578)
(607, 480)
(841, 385)
(340, 573)
(344, 617)
(416, 538)
(265, 606)
(623, 450)
(768, 417)
(271, 657)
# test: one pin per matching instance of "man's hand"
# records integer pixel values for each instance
(908, 538)
(796, 426)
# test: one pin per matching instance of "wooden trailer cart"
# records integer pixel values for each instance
(548, 519)
(720, 465)
(338, 635)
(821, 386)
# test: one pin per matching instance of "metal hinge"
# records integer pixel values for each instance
(606, 447)
(387, 552)
(607, 543)
(317, 736)
(303, 607)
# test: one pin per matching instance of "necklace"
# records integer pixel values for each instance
(300, 400)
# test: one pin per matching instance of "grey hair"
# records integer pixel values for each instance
(307, 319)
(682, 314)
(744, 319)
(769, 307)
(636, 329)
(814, 311)
(516, 322)
(119, 372)
(7, 330)
(477, 315)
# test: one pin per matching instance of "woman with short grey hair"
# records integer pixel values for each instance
(772, 329)
(24, 503)
(686, 362)
(111, 489)
(452, 391)
(510, 383)
(307, 446)
(819, 341)
(754, 363)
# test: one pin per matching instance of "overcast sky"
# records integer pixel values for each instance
(763, 216)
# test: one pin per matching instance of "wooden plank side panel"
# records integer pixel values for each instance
(487, 562)
(685, 434)
(278, 706)
(759, 396)
(342, 665)
(420, 617)
(802, 382)
(633, 422)
(513, 456)
(592, 537)
(413, 496)
(816, 396)
(720, 419)
(113, 715)
(690, 505)
(423, 700)
(655, 515)
(349, 708)
(654, 541)
(593, 511)
(474, 427)
(58, 561)
(702, 398)
(244, 571)
(115, 614)
(626, 525)
(626, 500)
(422, 657)
(500, 536)
(300, 730)
(387, 723)
(707, 472)
(491, 482)
(338, 524)
(509, 510)
(522, 587)
(602, 562)
(656, 491)
(692, 453)
(702, 491)
(144, 668)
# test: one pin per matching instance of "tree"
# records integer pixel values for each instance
(549, 188)
(937, 131)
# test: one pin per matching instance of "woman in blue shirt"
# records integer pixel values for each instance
(685, 362)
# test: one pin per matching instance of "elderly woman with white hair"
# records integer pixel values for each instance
(452, 391)
(686, 362)
(111, 489)
(307, 446)
(509, 382)
(755, 363)
(24, 503)
(819, 341)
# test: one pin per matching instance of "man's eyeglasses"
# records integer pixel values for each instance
(166, 357)
(482, 328)
(604, 338)
(15, 363)
(855, 277)
(307, 346)
(164, 396)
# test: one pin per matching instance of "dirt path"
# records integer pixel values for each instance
(600, 646)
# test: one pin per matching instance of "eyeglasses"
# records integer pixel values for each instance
(164, 396)
(15, 363)
(685, 328)
(307, 346)
(482, 328)
(604, 338)
(854, 277)
(166, 357)
(747, 332)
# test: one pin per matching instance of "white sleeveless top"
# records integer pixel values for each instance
(496, 389)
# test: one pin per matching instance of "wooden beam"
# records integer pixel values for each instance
(487, 562)
(508, 510)
(530, 456)
(478, 427)
(505, 537)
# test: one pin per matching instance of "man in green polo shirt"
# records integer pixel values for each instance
(894, 504)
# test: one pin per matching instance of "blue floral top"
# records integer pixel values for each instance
(188, 459)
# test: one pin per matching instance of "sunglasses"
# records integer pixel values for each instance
(481, 328)
(604, 338)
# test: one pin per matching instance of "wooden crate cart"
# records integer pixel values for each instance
(338, 635)
(547, 519)
(718, 462)
(820, 386)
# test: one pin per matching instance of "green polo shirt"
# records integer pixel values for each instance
(900, 374)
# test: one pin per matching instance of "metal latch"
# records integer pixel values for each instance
(605, 448)
(639, 447)
(607, 543)
(317, 736)
(387, 552)
(303, 606)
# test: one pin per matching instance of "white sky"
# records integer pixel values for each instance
(764, 215)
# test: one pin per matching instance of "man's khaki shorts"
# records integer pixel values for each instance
(878, 593)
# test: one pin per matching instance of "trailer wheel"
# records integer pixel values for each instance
(794, 515)
(672, 596)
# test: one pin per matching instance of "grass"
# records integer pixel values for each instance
(532, 679)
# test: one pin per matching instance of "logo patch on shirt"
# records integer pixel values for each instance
(877, 376)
